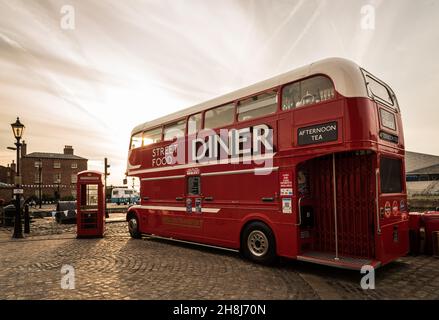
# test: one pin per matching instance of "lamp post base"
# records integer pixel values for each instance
(17, 236)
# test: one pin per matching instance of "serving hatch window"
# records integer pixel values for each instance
(307, 92)
(175, 130)
(257, 106)
(152, 136)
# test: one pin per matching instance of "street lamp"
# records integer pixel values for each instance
(40, 168)
(58, 182)
(17, 129)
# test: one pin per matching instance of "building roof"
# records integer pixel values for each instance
(420, 163)
(48, 155)
(347, 76)
(429, 170)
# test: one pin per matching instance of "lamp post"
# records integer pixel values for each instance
(40, 168)
(58, 182)
(17, 129)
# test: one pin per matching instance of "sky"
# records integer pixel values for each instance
(86, 80)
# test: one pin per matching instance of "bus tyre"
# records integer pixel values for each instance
(133, 227)
(258, 244)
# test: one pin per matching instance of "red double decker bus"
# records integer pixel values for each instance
(307, 165)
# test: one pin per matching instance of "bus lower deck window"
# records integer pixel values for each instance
(391, 175)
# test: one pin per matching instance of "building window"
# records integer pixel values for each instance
(38, 164)
(306, 92)
(57, 165)
(219, 117)
(57, 178)
(257, 106)
(74, 178)
(74, 165)
(174, 130)
(74, 193)
(37, 178)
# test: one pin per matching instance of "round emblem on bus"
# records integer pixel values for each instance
(402, 206)
(387, 209)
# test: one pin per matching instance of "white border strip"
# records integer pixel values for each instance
(218, 173)
(243, 160)
(255, 170)
(163, 178)
(183, 209)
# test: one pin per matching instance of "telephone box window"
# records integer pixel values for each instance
(194, 185)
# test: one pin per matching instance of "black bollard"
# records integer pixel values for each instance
(26, 219)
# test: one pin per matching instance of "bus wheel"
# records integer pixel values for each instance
(257, 243)
(133, 227)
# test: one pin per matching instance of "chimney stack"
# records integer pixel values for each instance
(68, 150)
(23, 149)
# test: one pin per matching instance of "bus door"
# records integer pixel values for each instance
(305, 210)
(193, 214)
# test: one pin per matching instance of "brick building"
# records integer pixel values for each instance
(6, 179)
(58, 173)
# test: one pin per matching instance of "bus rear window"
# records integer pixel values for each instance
(378, 90)
(391, 175)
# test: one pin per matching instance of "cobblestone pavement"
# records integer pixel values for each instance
(118, 267)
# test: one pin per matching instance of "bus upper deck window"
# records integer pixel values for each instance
(152, 136)
(219, 117)
(290, 96)
(306, 92)
(257, 106)
(175, 130)
(194, 123)
(136, 141)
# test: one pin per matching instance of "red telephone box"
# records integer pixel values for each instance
(90, 205)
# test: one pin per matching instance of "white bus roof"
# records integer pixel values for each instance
(347, 76)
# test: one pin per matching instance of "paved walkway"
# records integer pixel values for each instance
(118, 267)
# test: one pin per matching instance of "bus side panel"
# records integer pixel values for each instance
(393, 242)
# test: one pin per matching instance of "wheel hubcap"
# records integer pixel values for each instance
(257, 243)
(132, 226)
